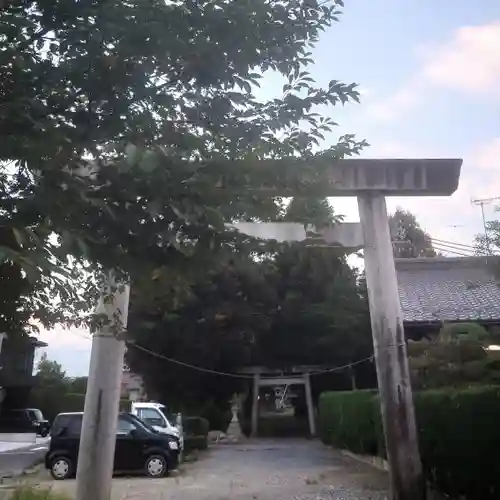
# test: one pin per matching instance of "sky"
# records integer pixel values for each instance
(429, 76)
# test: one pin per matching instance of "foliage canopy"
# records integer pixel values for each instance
(298, 305)
(411, 240)
(131, 131)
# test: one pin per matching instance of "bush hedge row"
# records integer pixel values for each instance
(195, 433)
(459, 434)
(196, 426)
(338, 410)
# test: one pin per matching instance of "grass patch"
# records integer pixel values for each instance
(31, 493)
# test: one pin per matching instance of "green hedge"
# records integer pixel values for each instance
(196, 426)
(195, 433)
(460, 441)
(346, 420)
(459, 434)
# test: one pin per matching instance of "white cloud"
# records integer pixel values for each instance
(480, 172)
(468, 61)
(69, 347)
(388, 109)
(488, 156)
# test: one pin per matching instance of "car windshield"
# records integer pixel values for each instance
(168, 415)
(36, 414)
(141, 423)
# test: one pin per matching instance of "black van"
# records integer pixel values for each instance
(138, 447)
(24, 420)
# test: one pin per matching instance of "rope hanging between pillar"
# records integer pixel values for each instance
(250, 377)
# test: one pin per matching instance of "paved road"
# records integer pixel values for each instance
(258, 470)
(16, 461)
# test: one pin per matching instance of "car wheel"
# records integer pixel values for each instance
(156, 466)
(61, 468)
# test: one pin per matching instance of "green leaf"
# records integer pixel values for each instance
(131, 154)
(20, 239)
(149, 162)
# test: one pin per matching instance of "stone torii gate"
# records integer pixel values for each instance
(296, 375)
(371, 181)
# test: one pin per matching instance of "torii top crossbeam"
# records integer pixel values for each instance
(394, 177)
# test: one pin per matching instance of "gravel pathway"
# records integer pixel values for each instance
(259, 470)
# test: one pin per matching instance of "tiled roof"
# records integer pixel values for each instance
(448, 289)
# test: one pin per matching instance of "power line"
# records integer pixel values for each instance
(187, 365)
(461, 249)
(453, 251)
(344, 367)
(453, 243)
(244, 376)
(465, 251)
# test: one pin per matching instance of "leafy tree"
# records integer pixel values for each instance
(464, 332)
(489, 243)
(131, 133)
(456, 358)
(54, 392)
(50, 388)
(215, 328)
(13, 312)
(311, 211)
(50, 372)
(411, 240)
(300, 305)
(78, 385)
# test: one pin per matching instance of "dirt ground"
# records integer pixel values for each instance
(255, 470)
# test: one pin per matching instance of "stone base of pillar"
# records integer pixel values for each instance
(234, 433)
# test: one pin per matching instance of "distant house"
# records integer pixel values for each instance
(444, 289)
(17, 356)
(132, 386)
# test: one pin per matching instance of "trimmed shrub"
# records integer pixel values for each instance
(346, 420)
(460, 440)
(196, 426)
(463, 332)
(195, 433)
(458, 430)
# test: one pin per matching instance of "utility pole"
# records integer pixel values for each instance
(98, 437)
(398, 415)
(482, 202)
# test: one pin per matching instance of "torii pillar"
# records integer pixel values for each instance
(371, 181)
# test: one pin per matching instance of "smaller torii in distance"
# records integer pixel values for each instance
(371, 181)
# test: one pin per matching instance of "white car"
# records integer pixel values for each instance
(155, 415)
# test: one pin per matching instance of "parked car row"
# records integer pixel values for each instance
(24, 420)
(139, 447)
(146, 439)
